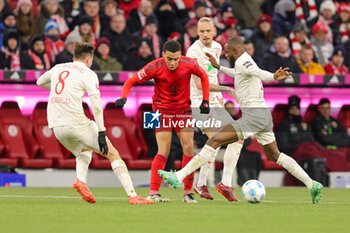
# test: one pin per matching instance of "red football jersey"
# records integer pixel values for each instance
(171, 88)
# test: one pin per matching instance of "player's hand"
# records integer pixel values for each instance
(212, 61)
(102, 142)
(282, 74)
(204, 108)
(120, 102)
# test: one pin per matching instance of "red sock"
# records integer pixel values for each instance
(188, 181)
(158, 163)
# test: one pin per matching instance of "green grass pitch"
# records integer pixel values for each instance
(35, 210)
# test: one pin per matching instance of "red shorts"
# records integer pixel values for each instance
(176, 119)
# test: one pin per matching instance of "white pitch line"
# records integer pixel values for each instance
(124, 198)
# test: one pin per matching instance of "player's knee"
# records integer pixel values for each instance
(214, 142)
(187, 147)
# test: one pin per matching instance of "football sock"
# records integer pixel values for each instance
(205, 169)
(158, 163)
(231, 156)
(201, 158)
(293, 168)
(188, 181)
(82, 165)
(121, 172)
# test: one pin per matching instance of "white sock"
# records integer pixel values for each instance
(121, 172)
(231, 156)
(196, 162)
(293, 168)
(205, 169)
(82, 165)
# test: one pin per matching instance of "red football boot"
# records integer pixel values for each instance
(138, 200)
(84, 191)
(226, 191)
(203, 192)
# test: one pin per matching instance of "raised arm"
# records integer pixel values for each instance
(45, 80)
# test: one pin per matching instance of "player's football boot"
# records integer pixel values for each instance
(170, 177)
(203, 192)
(188, 198)
(226, 191)
(157, 198)
(84, 191)
(138, 200)
(316, 192)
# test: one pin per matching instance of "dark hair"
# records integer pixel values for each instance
(82, 50)
(85, 1)
(324, 101)
(172, 46)
(247, 42)
(308, 47)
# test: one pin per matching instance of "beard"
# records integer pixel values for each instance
(232, 61)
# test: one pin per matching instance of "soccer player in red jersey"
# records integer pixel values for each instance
(171, 74)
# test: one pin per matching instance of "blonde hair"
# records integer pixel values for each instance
(205, 19)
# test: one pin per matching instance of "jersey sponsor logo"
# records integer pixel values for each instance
(141, 74)
(151, 120)
(247, 64)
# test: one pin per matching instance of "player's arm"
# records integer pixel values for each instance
(251, 68)
(93, 90)
(45, 80)
(214, 87)
(139, 77)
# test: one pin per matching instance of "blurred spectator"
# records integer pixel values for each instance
(109, 8)
(249, 48)
(344, 21)
(307, 11)
(137, 17)
(11, 57)
(8, 22)
(25, 22)
(200, 10)
(120, 38)
(13, 5)
(53, 44)
(225, 18)
(150, 32)
(335, 64)
(4, 7)
(263, 36)
(247, 12)
(168, 20)
(305, 61)
(37, 53)
(67, 54)
(280, 56)
(127, 6)
(102, 57)
(327, 13)
(284, 17)
(328, 131)
(140, 57)
(293, 130)
(190, 36)
(298, 38)
(229, 32)
(91, 9)
(83, 30)
(50, 9)
(322, 48)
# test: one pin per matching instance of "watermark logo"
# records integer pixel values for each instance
(151, 120)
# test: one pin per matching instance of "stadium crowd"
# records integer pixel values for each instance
(309, 36)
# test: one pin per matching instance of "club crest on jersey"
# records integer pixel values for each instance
(141, 74)
(151, 120)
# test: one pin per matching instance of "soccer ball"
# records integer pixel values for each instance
(253, 191)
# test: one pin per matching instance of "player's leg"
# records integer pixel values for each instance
(164, 143)
(227, 134)
(292, 167)
(186, 139)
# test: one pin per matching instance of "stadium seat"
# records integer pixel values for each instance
(278, 114)
(17, 134)
(310, 113)
(267, 164)
(8, 161)
(344, 117)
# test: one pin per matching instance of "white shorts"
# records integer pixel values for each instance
(74, 138)
(217, 113)
(255, 122)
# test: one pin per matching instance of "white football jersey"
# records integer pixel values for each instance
(197, 50)
(248, 85)
(69, 83)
